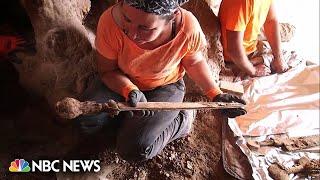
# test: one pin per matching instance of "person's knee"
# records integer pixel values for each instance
(136, 150)
(91, 124)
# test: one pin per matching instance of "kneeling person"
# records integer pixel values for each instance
(144, 49)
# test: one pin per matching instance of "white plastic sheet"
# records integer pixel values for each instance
(286, 104)
(282, 103)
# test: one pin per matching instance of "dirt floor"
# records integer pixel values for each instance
(30, 130)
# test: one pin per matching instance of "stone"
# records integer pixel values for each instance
(189, 165)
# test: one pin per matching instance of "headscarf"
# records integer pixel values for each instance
(159, 7)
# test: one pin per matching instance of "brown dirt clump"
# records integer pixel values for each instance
(288, 144)
(303, 165)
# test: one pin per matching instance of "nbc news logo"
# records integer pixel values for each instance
(20, 165)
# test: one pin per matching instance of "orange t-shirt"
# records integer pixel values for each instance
(148, 69)
(247, 16)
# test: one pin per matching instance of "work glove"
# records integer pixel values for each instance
(231, 113)
(134, 97)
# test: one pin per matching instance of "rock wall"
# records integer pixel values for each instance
(65, 49)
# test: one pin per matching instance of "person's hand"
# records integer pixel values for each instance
(136, 96)
(231, 113)
(278, 65)
(261, 70)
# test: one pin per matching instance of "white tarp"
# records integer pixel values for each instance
(282, 103)
(279, 104)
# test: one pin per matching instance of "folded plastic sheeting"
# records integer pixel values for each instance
(262, 159)
(285, 105)
(282, 103)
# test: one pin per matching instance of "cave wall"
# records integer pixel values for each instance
(65, 49)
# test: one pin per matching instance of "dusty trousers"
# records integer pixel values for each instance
(139, 138)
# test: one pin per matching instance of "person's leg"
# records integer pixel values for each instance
(143, 138)
(98, 92)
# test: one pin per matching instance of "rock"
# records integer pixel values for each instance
(277, 173)
(172, 156)
(116, 160)
(159, 166)
(189, 165)
(135, 175)
(142, 175)
(253, 145)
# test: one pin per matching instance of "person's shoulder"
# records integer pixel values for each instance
(191, 23)
(106, 21)
(106, 16)
(231, 3)
(189, 18)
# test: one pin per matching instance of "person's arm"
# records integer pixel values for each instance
(113, 77)
(272, 32)
(237, 53)
(198, 70)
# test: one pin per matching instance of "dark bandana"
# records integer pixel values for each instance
(159, 7)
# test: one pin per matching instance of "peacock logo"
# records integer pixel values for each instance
(19, 165)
